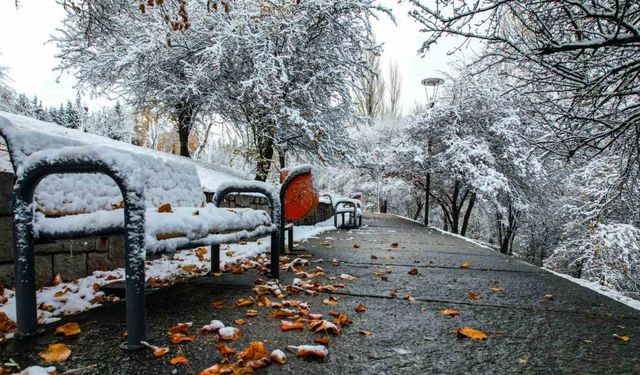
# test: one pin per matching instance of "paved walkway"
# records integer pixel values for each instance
(572, 333)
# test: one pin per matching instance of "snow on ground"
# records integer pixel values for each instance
(83, 294)
(597, 287)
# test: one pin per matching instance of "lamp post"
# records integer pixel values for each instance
(429, 84)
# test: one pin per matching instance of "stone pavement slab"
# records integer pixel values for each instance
(527, 333)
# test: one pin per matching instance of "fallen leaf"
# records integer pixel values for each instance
(240, 322)
(361, 308)
(549, 297)
(471, 333)
(331, 301)
(622, 338)
(225, 351)
(180, 333)
(252, 313)
(244, 302)
(212, 327)
(286, 325)
(57, 279)
(253, 352)
(311, 351)
(465, 265)
(393, 294)
(165, 208)
(218, 369)
(347, 277)
(69, 329)
(333, 313)
(473, 296)
(343, 320)
(497, 290)
(409, 298)
(278, 356)
(374, 257)
(356, 246)
(413, 271)
(178, 360)
(216, 305)
(264, 301)
(228, 334)
(200, 253)
(159, 352)
(56, 353)
(7, 325)
(324, 326)
(117, 206)
(449, 312)
(395, 244)
(366, 333)
(324, 340)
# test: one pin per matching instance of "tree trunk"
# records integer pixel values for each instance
(184, 110)
(467, 214)
(265, 155)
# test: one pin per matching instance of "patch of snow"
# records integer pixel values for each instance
(596, 287)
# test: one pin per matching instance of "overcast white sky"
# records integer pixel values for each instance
(24, 50)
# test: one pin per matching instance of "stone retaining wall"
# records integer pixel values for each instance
(77, 258)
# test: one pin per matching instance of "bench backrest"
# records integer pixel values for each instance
(165, 181)
(301, 197)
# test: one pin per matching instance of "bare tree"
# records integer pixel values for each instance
(371, 98)
(579, 60)
(394, 108)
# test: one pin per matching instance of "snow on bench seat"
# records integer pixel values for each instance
(166, 231)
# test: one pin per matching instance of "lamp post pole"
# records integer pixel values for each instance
(432, 83)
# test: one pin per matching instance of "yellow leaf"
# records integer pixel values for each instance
(255, 351)
(69, 329)
(471, 333)
(56, 353)
(622, 338)
(450, 312)
(165, 208)
(159, 352)
(466, 265)
(473, 296)
(366, 333)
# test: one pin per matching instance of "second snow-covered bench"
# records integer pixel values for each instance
(67, 189)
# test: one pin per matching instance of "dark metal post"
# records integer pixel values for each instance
(290, 238)
(426, 200)
(215, 258)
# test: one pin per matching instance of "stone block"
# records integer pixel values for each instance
(44, 273)
(82, 245)
(70, 266)
(6, 239)
(102, 262)
(116, 248)
(6, 191)
(102, 243)
(54, 247)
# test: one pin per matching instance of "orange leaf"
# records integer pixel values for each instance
(243, 302)
(334, 313)
(622, 338)
(252, 313)
(165, 208)
(253, 352)
(57, 279)
(361, 308)
(200, 253)
(178, 360)
(286, 325)
(278, 357)
(240, 322)
(324, 326)
(69, 329)
(473, 296)
(56, 353)
(331, 301)
(224, 350)
(497, 290)
(264, 301)
(216, 305)
(159, 352)
(324, 340)
(465, 265)
(312, 351)
(218, 369)
(449, 312)
(413, 271)
(228, 334)
(471, 333)
(117, 206)
(180, 333)
(343, 320)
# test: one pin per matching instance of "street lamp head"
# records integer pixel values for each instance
(432, 83)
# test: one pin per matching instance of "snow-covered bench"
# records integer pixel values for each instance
(67, 189)
(348, 206)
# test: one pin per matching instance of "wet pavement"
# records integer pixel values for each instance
(538, 324)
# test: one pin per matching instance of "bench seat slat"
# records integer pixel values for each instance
(161, 228)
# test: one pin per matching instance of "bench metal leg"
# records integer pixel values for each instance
(342, 219)
(275, 256)
(290, 238)
(360, 221)
(335, 220)
(24, 267)
(135, 281)
(215, 258)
